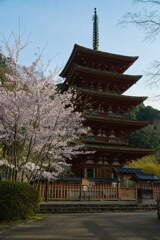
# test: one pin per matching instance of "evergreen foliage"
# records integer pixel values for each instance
(17, 200)
(149, 136)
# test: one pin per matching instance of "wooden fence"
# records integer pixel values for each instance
(71, 191)
(156, 192)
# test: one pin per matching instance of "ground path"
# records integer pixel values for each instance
(92, 226)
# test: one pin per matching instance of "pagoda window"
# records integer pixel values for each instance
(81, 172)
(104, 172)
(89, 172)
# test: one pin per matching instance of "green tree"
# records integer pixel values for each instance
(132, 115)
(148, 114)
(149, 136)
(148, 164)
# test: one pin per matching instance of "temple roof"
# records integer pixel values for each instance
(80, 53)
(138, 175)
(114, 121)
(127, 170)
(102, 75)
(144, 177)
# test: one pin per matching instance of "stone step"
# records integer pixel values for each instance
(92, 208)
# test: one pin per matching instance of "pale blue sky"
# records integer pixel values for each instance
(62, 23)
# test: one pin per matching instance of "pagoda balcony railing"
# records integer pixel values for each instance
(114, 115)
(108, 140)
(104, 114)
(99, 89)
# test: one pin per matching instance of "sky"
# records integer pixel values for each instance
(56, 25)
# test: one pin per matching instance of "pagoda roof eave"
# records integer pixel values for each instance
(97, 118)
(132, 79)
(77, 49)
(122, 149)
(111, 95)
(98, 72)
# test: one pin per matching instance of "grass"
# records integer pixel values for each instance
(35, 217)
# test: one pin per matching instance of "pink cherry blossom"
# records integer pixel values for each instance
(39, 128)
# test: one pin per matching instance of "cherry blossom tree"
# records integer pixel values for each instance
(39, 127)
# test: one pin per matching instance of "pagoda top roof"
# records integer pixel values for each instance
(79, 51)
(96, 73)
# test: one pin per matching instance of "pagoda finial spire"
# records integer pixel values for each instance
(95, 31)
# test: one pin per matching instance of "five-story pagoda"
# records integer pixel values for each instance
(99, 78)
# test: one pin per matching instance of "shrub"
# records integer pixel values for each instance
(17, 200)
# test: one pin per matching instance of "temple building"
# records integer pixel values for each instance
(100, 80)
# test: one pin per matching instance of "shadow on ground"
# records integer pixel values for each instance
(108, 226)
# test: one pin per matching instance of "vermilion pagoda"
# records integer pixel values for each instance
(100, 81)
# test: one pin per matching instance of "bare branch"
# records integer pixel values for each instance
(147, 1)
